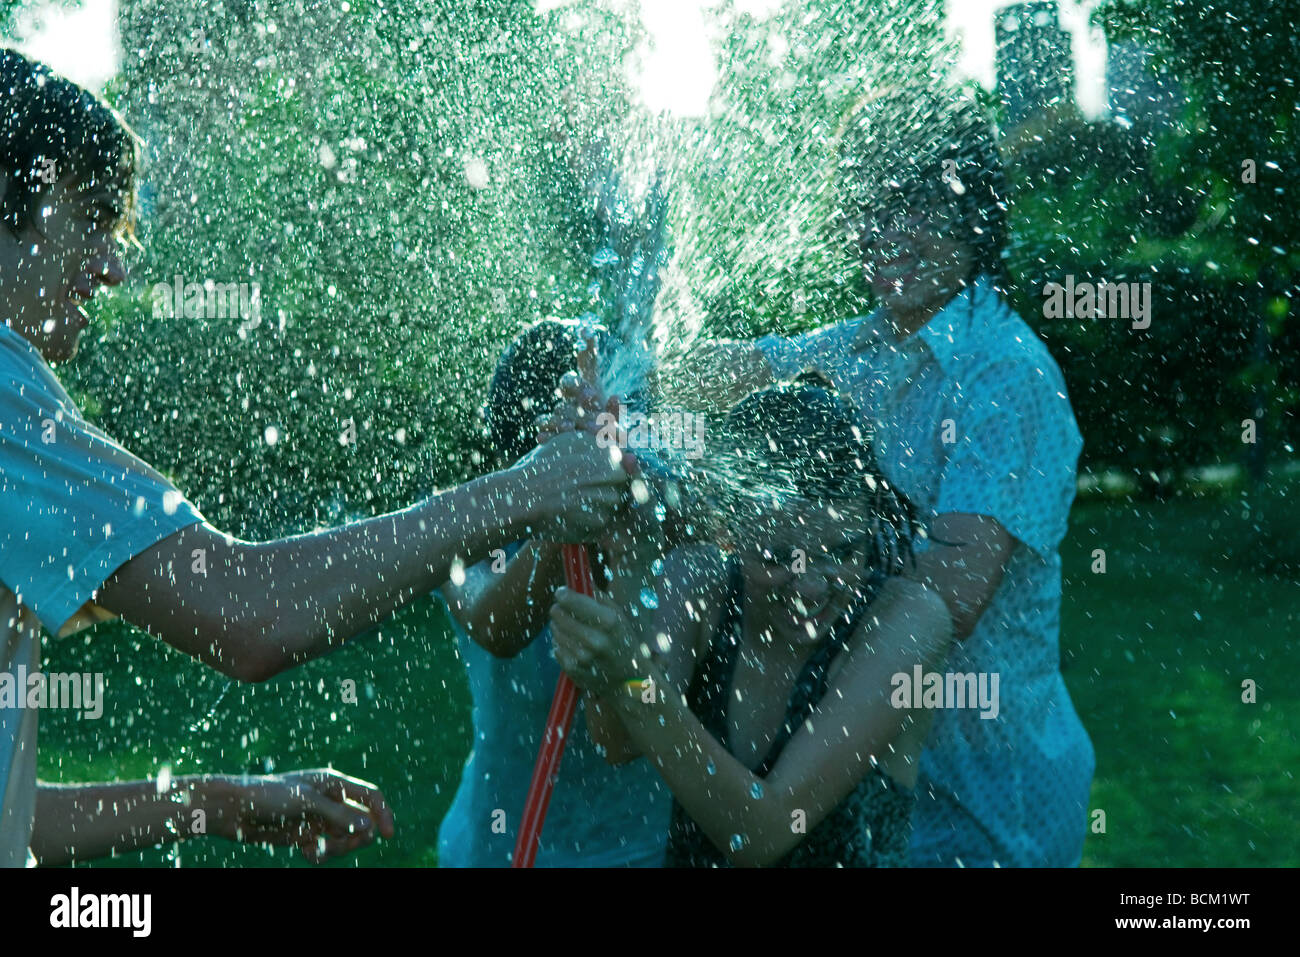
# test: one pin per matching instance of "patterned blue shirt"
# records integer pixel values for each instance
(970, 415)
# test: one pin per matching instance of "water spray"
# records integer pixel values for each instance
(628, 266)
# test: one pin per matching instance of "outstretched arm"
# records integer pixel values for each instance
(323, 813)
(716, 375)
(250, 610)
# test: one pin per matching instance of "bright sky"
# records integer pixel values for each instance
(82, 43)
(679, 71)
(972, 22)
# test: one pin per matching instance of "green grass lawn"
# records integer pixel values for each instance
(409, 732)
(1155, 652)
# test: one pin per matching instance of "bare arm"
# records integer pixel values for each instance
(255, 609)
(716, 375)
(80, 822)
(967, 571)
(512, 607)
(819, 767)
(322, 812)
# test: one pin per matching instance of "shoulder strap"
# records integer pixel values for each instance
(707, 696)
(810, 687)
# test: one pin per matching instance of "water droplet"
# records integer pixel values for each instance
(737, 842)
(657, 566)
(756, 790)
(648, 598)
(476, 172)
(640, 492)
(711, 768)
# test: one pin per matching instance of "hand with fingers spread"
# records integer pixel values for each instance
(583, 408)
(322, 812)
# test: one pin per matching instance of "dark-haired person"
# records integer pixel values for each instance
(762, 686)
(600, 815)
(974, 425)
(89, 531)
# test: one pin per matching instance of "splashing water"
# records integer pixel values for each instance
(384, 180)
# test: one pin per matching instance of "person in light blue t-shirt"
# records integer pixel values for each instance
(600, 815)
(89, 531)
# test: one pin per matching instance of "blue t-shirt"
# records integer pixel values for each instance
(74, 507)
(600, 815)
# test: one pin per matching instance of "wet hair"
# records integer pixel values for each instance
(802, 439)
(527, 380)
(925, 149)
(52, 129)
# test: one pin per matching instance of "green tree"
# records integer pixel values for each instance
(1235, 156)
(753, 208)
(387, 174)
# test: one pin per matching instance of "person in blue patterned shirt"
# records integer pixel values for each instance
(972, 422)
